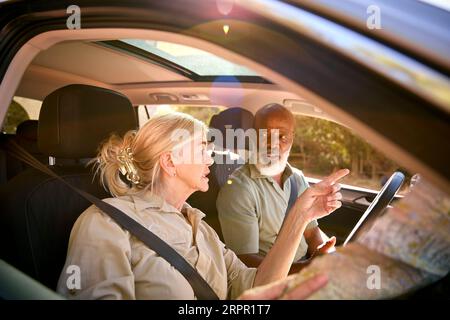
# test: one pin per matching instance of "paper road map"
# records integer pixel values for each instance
(407, 248)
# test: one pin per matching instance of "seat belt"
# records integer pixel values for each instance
(201, 288)
(293, 195)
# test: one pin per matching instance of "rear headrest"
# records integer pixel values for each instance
(27, 130)
(232, 118)
(75, 119)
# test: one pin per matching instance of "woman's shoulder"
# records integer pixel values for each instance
(124, 203)
(93, 218)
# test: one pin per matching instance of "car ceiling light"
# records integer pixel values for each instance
(226, 28)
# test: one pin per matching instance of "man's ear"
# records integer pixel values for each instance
(167, 165)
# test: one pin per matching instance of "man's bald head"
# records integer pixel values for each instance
(271, 113)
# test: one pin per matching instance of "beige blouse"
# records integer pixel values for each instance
(113, 264)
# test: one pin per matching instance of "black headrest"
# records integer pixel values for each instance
(27, 130)
(232, 118)
(75, 119)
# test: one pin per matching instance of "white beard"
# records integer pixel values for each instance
(275, 167)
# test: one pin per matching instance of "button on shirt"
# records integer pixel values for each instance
(252, 207)
(114, 264)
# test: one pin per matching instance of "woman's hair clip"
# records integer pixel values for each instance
(126, 166)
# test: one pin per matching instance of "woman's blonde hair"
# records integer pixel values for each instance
(144, 148)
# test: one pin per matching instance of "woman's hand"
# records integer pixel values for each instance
(325, 248)
(321, 199)
(277, 290)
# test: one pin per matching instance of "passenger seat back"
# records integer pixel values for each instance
(37, 212)
(226, 162)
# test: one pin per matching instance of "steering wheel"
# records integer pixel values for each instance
(378, 205)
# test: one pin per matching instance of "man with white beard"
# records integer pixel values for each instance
(252, 204)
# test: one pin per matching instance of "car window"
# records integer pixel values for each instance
(19, 110)
(322, 146)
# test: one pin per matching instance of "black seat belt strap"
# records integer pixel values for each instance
(293, 195)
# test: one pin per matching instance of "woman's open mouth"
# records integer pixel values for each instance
(204, 176)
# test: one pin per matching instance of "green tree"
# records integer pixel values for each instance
(16, 114)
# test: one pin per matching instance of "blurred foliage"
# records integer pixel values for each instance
(16, 114)
(322, 146)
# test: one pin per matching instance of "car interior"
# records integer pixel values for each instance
(90, 88)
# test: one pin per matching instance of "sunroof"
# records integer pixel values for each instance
(198, 61)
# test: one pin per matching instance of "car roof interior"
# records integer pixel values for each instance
(146, 81)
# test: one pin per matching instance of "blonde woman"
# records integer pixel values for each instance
(151, 173)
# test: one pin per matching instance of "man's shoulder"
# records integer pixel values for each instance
(242, 170)
(241, 175)
(238, 182)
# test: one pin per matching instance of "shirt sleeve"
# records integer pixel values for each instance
(99, 255)
(237, 215)
(240, 277)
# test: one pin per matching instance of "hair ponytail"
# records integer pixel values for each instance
(108, 163)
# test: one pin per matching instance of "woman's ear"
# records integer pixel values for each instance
(167, 164)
